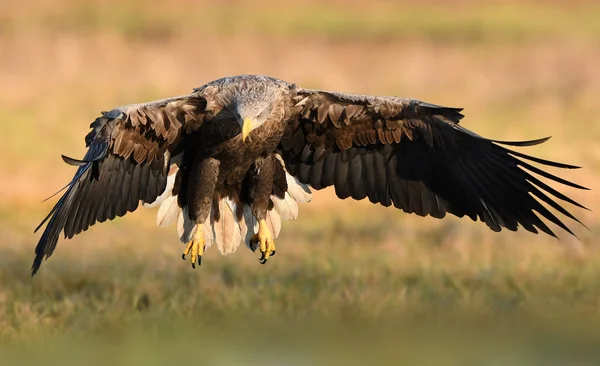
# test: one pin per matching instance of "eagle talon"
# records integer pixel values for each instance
(195, 247)
(265, 242)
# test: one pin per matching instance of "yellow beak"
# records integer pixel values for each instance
(247, 127)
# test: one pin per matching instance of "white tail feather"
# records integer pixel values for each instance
(299, 191)
(274, 223)
(287, 207)
(226, 231)
(173, 169)
(166, 193)
(209, 234)
(168, 212)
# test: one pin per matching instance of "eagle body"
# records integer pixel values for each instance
(232, 159)
(218, 165)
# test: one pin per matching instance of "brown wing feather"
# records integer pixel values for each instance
(416, 156)
(127, 161)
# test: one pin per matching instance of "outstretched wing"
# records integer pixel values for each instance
(417, 157)
(128, 158)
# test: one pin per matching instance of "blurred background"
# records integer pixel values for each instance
(352, 282)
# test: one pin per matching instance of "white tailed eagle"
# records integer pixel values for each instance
(230, 160)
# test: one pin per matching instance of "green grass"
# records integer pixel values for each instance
(352, 301)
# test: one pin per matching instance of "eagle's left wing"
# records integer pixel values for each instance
(416, 156)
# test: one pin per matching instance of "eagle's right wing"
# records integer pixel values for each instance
(127, 161)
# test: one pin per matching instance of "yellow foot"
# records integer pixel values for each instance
(195, 247)
(265, 242)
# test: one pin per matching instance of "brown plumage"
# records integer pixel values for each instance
(393, 151)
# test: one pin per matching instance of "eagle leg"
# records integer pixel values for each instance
(264, 240)
(195, 247)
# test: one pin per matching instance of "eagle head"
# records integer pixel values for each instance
(251, 115)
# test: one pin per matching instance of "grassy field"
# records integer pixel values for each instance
(351, 282)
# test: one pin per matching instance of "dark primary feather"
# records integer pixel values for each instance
(417, 157)
(127, 162)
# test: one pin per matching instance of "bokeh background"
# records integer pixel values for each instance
(351, 282)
